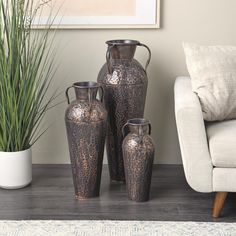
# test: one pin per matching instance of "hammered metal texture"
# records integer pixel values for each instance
(124, 96)
(86, 124)
(138, 154)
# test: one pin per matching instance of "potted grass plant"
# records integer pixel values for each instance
(26, 72)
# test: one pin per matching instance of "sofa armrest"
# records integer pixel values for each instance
(192, 137)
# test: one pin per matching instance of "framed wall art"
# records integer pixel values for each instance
(102, 13)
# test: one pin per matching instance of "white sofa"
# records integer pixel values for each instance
(208, 149)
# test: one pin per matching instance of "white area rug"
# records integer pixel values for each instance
(115, 228)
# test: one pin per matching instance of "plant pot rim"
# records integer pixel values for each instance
(22, 151)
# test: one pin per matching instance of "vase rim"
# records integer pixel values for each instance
(138, 121)
(21, 151)
(123, 42)
(86, 84)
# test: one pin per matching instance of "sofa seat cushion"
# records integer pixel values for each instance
(222, 143)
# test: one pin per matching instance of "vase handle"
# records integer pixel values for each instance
(102, 93)
(108, 59)
(123, 129)
(67, 93)
(150, 129)
(149, 57)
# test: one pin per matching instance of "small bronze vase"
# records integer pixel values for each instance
(86, 123)
(124, 81)
(138, 153)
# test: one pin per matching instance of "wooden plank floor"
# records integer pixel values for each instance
(51, 196)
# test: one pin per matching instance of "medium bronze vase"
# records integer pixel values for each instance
(124, 81)
(86, 123)
(138, 153)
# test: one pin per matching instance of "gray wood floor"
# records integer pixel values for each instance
(51, 196)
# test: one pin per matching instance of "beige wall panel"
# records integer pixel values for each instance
(82, 52)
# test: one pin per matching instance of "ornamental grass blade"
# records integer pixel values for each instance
(27, 67)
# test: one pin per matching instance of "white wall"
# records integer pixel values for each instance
(82, 52)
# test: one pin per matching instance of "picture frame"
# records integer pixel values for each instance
(141, 14)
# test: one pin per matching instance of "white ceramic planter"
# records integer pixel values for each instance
(15, 169)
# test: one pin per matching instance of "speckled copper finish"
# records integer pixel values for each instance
(86, 124)
(138, 153)
(124, 81)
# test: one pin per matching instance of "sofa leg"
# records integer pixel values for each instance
(219, 202)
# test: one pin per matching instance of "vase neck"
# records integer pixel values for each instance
(122, 49)
(86, 90)
(139, 126)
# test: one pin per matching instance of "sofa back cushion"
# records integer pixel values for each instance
(213, 77)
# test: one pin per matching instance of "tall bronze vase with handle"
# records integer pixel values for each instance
(138, 153)
(124, 81)
(86, 123)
